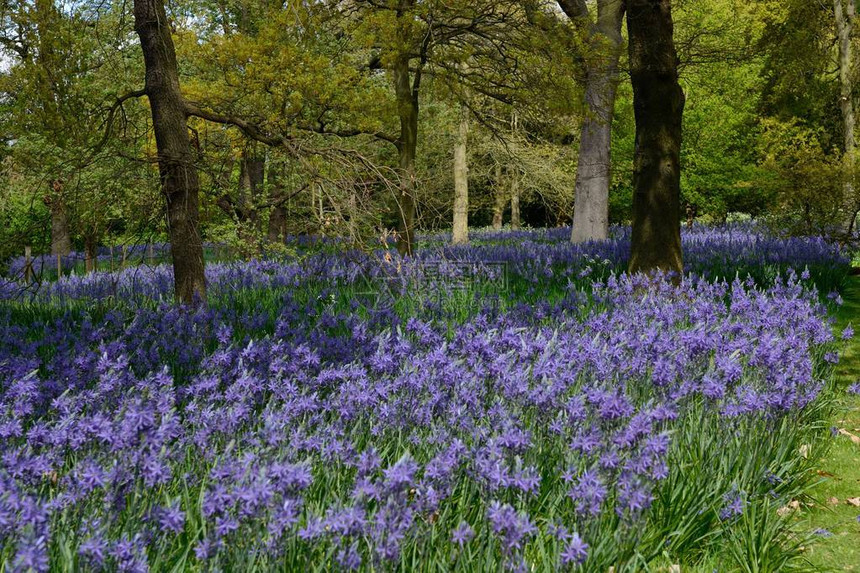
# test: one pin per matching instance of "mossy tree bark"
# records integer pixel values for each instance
(406, 89)
(658, 105)
(844, 13)
(591, 199)
(61, 236)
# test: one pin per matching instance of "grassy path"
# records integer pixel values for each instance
(840, 470)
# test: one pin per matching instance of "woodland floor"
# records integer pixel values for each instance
(839, 550)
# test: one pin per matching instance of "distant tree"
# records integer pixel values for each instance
(460, 234)
(845, 15)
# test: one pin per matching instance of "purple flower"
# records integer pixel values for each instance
(225, 526)
(32, 554)
(588, 493)
(462, 534)
(206, 549)
(734, 505)
(349, 557)
(172, 518)
(94, 549)
(401, 474)
(575, 550)
(511, 527)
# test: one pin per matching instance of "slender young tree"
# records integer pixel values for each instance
(658, 106)
(845, 16)
(591, 199)
(461, 180)
(515, 200)
(499, 198)
(179, 179)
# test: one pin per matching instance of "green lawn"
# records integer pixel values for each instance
(840, 470)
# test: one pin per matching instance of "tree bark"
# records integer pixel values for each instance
(61, 237)
(515, 201)
(252, 170)
(461, 180)
(251, 180)
(658, 106)
(278, 216)
(844, 14)
(407, 143)
(179, 180)
(499, 205)
(591, 191)
(91, 258)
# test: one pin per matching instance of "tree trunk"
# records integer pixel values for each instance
(845, 15)
(407, 110)
(251, 180)
(278, 224)
(461, 181)
(278, 216)
(179, 181)
(252, 170)
(61, 238)
(354, 231)
(499, 204)
(591, 199)
(515, 201)
(91, 256)
(658, 106)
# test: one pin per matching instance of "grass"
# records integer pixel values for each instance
(840, 468)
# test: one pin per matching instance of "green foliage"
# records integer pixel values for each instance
(805, 179)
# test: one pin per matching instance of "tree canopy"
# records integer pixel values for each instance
(342, 117)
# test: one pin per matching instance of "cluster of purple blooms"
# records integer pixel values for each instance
(235, 438)
(538, 257)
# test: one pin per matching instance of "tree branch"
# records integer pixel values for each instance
(250, 130)
(575, 9)
(112, 115)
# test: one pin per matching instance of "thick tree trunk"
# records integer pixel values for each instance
(499, 205)
(179, 180)
(252, 170)
(515, 201)
(407, 143)
(844, 13)
(591, 199)
(61, 237)
(461, 181)
(658, 105)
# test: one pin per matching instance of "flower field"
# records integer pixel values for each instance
(518, 404)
